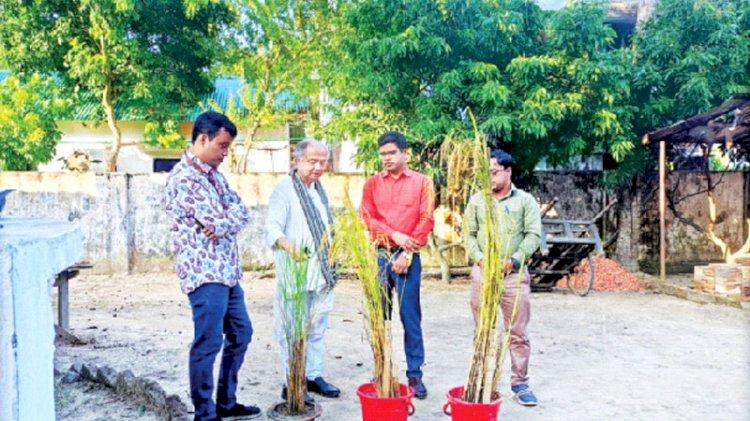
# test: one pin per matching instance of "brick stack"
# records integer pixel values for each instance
(725, 279)
(744, 262)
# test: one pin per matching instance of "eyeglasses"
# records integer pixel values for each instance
(388, 153)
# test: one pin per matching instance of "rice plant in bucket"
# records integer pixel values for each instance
(471, 157)
(354, 250)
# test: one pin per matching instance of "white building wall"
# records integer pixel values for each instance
(268, 157)
(343, 158)
(270, 152)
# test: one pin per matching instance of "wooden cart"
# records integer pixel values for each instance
(565, 244)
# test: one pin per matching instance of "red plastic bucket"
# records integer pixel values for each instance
(385, 409)
(460, 410)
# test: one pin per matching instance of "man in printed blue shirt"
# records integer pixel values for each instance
(206, 216)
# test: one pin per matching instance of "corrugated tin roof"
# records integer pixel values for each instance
(89, 109)
(226, 87)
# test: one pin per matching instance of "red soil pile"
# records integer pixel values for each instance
(610, 276)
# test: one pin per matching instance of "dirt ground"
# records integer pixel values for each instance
(604, 356)
(92, 402)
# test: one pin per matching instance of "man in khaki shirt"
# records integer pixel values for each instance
(520, 228)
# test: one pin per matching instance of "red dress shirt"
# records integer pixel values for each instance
(403, 204)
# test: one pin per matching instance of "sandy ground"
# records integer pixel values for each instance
(604, 356)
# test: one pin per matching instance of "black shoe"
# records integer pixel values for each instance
(247, 412)
(206, 419)
(420, 392)
(323, 388)
(308, 398)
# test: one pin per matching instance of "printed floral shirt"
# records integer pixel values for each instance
(196, 195)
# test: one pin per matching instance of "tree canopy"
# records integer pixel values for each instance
(275, 49)
(151, 58)
(545, 85)
(690, 56)
(27, 118)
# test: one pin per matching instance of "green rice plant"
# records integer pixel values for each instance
(353, 248)
(468, 159)
(296, 316)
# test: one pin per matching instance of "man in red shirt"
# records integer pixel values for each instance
(397, 206)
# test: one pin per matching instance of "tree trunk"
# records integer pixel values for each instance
(445, 268)
(723, 246)
(249, 140)
(109, 110)
(252, 129)
(745, 249)
(112, 123)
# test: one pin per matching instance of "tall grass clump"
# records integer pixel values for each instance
(353, 248)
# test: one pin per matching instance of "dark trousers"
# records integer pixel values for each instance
(219, 317)
(407, 288)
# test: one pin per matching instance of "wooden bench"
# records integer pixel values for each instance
(61, 282)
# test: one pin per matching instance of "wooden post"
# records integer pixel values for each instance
(662, 212)
(62, 300)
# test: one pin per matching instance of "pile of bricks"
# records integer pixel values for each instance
(731, 280)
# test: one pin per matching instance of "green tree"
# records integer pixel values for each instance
(568, 98)
(276, 51)
(390, 56)
(547, 85)
(573, 99)
(28, 134)
(146, 57)
(690, 55)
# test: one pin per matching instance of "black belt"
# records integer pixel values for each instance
(392, 250)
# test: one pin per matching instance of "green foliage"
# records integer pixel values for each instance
(144, 55)
(690, 56)
(276, 47)
(164, 134)
(547, 85)
(529, 79)
(151, 55)
(574, 98)
(28, 133)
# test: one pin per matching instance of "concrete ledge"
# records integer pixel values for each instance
(687, 293)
